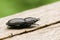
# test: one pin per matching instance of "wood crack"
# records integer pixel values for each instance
(10, 36)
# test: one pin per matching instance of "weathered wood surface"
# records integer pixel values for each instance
(48, 14)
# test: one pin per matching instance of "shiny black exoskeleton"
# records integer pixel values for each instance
(18, 23)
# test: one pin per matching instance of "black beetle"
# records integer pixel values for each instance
(18, 23)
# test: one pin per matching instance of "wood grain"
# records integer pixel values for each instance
(48, 14)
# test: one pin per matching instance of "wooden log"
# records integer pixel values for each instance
(48, 14)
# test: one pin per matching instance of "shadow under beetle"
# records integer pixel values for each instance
(18, 23)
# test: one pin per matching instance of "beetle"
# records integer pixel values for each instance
(18, 23)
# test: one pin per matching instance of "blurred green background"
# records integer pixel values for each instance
(9, 7)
